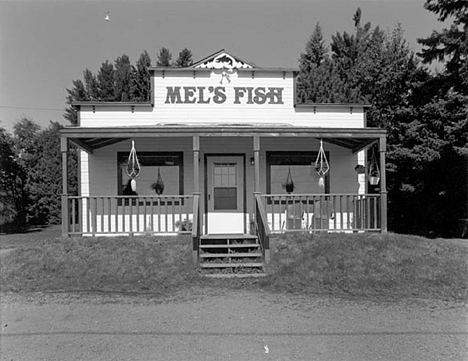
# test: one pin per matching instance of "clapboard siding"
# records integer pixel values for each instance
(329, 116)
(99, 170)
(342, 161)
(180, 114)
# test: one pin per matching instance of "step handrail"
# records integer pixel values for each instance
(262, 227)
(196, 228)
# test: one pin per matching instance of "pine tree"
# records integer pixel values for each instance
(315, 51)
(449, 45)
(164, 57)
(185, 59)
(123, 74)
(77, 93)
(91, 85)
(141, 85)
(105, 78)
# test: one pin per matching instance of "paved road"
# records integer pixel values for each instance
(243, 325)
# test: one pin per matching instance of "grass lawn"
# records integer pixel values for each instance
(362, 265)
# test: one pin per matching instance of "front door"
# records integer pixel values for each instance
(225, 194)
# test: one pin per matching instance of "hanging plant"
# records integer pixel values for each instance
(158, 186)
(374, 172)
(289, 184)
(133, 167)
(321, 165)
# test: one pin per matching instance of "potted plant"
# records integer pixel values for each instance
(158, 186)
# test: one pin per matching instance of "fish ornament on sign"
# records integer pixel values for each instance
(225, 66)
(133, 167)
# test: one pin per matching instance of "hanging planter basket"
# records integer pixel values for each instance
(158, 186)
(289, 184)
(133, 167)
(374, 172)
(321, 165)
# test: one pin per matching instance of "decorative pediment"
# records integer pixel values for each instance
(222, 60)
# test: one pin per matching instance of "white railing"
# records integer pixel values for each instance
(106, 215)
(322, 212)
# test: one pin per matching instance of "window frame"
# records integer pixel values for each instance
(286, 158)
(159, 159)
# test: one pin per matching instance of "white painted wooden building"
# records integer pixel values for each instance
(230, 152)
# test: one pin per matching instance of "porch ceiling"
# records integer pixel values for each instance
(90, 139)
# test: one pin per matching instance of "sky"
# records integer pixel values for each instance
(46, 44)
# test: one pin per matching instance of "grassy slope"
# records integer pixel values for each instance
(389, 265)
(108, 263)
(366, 265)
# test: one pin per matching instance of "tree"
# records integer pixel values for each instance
(450, 45)
(315, 51)
(44, 186)
(185, 59)
(141, 85)
(76, 93)
(425, 117)
(13, 199)
(105, 77)
(91, 86)
(122, 79)
(164, 57)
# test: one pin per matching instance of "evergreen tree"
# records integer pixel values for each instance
(449, 45)
(123, 74)
(77, 93)
(185, 59)
(315, 51)
(105, 78)
(141, 84)
(164, 57)
(91, 86)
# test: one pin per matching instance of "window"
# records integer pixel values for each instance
(301, 167)
(168, 164)
(225, 186)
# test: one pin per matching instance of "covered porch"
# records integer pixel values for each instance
(262, 210)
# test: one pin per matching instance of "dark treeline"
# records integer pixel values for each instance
(424, 113)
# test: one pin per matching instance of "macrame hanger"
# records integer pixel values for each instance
(133, 166)
(374, 172)
(321, 165)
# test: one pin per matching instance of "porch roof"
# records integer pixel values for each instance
(91, 138)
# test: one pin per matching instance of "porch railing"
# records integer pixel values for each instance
(129, 214)
(322, 212)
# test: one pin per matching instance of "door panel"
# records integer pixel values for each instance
(225, 185)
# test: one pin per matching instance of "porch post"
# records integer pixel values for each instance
(256, 150)
(196, 164)
(64, 150)
(383, 184)
(196, 191)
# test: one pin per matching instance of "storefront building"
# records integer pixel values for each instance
(223, 149)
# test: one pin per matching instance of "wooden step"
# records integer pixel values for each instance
(234, 275)
(208, 246)
(229, 265)
(229, 236)
(231, 255)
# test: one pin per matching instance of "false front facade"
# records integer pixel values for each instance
(222, 148)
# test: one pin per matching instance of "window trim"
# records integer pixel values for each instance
(123, 156)
(270, 160)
